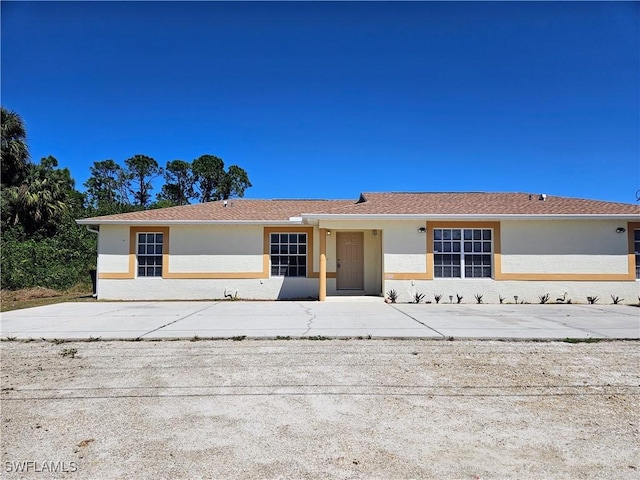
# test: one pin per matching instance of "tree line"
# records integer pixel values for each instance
(112, 187)
(41, 243)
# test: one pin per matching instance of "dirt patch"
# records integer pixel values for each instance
(29, 294)
(333, 409)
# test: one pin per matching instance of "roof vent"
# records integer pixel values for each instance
(225, 203)
(543, 197)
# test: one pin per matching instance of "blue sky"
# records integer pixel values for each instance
(325, 100)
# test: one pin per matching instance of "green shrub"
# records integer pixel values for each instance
(58, 262)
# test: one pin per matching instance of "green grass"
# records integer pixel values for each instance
(37, 297)
(583, 340)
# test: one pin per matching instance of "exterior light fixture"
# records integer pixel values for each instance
(422, 230)
(328, 232)
(621, 230)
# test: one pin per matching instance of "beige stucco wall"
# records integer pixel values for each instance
(560, 247)
(215, 249)
(528, 291)
(563, 247)
(113, 249)
(208, 289)
(403, 246)
(543, 247)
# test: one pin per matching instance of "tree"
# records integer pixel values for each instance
(14, 155)
(208, 171)
(179, 184)
(45, 196)
(234, 183)
(107, 187)
(215, 183)
(142, 170)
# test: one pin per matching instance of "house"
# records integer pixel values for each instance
(493, 244)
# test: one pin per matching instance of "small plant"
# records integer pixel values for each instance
(478, 298)
(278, 337)
(616, 300)
(69, 352)
(417, 297)
(438, 296)
(501, 298)
(592, 300)
(239, 338)
(459, 297)
(93, 339)
(195, 338)
(57, 341)
(318, 337)
(9, 339)
(543, 298)
(392, 295)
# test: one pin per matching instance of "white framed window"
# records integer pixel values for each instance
(288, 254)
(150, 254)
(462, 252)
(636, 249)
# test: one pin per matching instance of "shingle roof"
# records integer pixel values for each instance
(481, 203)
(236, 210)
(379, 204)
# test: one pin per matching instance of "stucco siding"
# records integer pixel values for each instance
(208, 289)
(527, 291)
(600, 264)
(372, 263)
(196, 249)
(113, 249)
(563, 247)
(405, 248)
(392, 256)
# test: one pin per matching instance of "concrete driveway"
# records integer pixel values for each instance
(346, 318)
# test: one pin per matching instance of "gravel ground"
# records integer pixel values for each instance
(321, 409)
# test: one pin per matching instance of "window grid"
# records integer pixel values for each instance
(636, 249)
(150, 254)
(289, 254)
(462, 252)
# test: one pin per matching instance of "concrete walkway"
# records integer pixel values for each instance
(346, 318)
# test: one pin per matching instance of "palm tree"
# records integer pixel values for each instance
(43, 197)
(14, 153)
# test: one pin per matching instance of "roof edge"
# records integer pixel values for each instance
(469, 216)
(97, 221)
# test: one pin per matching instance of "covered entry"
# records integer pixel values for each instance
(350, 262)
